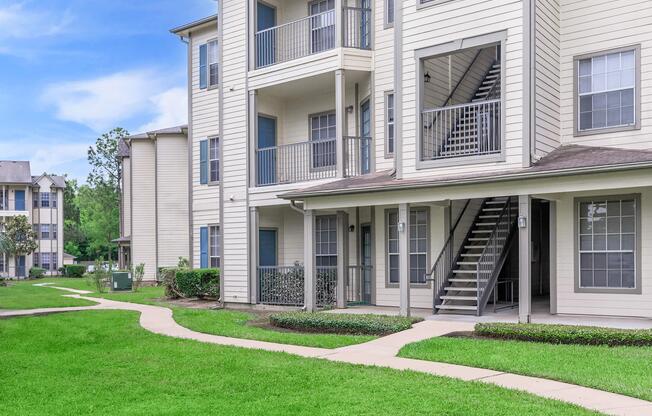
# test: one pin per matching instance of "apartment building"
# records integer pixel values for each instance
(155, 202)
(17, 188)
(440, 154)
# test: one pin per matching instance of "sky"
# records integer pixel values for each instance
(71, 70)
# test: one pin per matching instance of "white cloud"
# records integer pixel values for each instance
(50, 156)
(19, 22)
(105, 102)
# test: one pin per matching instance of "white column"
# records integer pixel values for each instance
(310, 272)
(339, 23)
(404, 258)
(253, 255)
(252, 34)
(524, 258)
(342, 257)
(340, 117)
(253, 138)
(553, 257)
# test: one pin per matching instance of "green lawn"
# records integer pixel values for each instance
(103, 363)
(624, 370)
(217, 322)
(24, 295)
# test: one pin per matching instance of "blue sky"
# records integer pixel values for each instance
(73, 69)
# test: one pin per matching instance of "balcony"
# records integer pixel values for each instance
(10, 207)
(313, 34)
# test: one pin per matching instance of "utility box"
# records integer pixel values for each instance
(121, 281)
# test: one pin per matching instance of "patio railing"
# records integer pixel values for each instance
(358, 285)
(283, 286)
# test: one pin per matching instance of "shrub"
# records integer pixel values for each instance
(566, 334)
(138, 274)
(100, 277)
(74, 270)
(36, 272)
(342, 323)
(199, 283)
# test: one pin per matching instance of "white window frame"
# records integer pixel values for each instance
(637, 92)
(212, 63)
(390, 224)
(393, 284)
(211, 160)
(321, 244)
(214, 259)
(389, 13)
(45, 200)
(320, 148)
(42, 258)
(390, 125)
(44, 232)
(414, 239)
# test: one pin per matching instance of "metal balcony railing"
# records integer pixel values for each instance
(284, 285)
(10, 204)
(472, 129)
(313, 34)
(311, 160)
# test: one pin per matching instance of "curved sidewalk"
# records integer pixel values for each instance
(380, 352)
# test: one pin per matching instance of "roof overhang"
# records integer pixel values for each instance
(204, 23)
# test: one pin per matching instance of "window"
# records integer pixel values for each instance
(326, 241)
(35, 260)
(54, 261)
(323, 131)
(214, 249)
(35, 199)
(607, 242)
(418, 245)
(45, 199)
(213, 64)
(389, 13)
(53, 198)
(45, 231)
(214, 159)
(54, 231)
(393, 268)
(389, 121)
(2, 262)
(606, 88)
(45, 261)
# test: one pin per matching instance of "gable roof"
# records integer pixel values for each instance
(184, 30)
(183, 129)
(57, 181)
(565, 160)
(15, 172)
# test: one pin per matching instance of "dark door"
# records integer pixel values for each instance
(266, 150)
(20, 200)
(365, 256)
(365, 133)
(265, 40)
(20, 266)
(267, 248)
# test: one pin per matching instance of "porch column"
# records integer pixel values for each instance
(340, 121)
(309, 272)
(524, 258)
(404, 258)
(342, 257)
(253, 138)
(339, 24)
(254, 257)
(252, 34)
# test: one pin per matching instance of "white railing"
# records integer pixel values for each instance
(311, 160)
(313, 34)
(472, 129)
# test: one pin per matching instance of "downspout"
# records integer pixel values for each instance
(398, 89)
(293, 205)
(529, 144)
(189, 145)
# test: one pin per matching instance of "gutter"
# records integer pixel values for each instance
(477, 180)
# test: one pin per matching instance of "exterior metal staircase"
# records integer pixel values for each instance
(474, 120)
(465, 277)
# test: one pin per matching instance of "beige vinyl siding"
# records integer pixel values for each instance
(589, 26)
(235, 227)
(126, 196)
(595, 303)
(547, 77)
(143, 222)
(172, 199)
(205, 124)
(451, 21)
(383, 78)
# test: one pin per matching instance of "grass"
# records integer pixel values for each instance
(624, 370)
(103, 363)
(24, 295)
(236, 324)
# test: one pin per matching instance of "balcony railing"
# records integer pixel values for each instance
(311, 160)
(313, 34)
(358, 285)
(10, 204)
(472, 129)
(284, 285)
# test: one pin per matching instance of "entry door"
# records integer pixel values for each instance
(365, 251)
(322, 25)
(20, 266)
(266, 150)
(365, 132)
(267, 248)
(266, 41)
(20, 200)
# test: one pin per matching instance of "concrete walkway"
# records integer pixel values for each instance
(380, 352)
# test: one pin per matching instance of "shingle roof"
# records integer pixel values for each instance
(57, 181)
(169, 130)
(123, 148)
(12, 171)
(564, 160)
(186, 27)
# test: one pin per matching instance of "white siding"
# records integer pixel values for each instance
(383, 78)
(589, 26)
(143, 222)
(126, 197)
(172, 199)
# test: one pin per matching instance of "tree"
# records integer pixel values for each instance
(19, 236)
(104, 161)
(99, 209)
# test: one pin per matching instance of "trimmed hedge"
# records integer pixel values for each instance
(199, 283)
(566, 334)
(74, 270)
(36, 272)
(340, 323)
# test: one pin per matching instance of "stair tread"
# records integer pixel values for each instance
(461, 307)
(455, 297)
(461, 289)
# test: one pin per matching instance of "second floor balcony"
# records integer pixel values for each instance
(12, 202)
(329, 24)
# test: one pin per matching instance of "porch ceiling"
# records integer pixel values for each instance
(316, 85)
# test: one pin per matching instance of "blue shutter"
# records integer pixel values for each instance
(203, 247)
(203, 162)
(203, 66)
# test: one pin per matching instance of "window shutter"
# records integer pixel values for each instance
(203, 64)
(203, 247)
(203, 162)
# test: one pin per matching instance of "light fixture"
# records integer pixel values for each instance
(401, 227)
(351, 228)
(349, 109)
(426, 78)
(522, 222)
